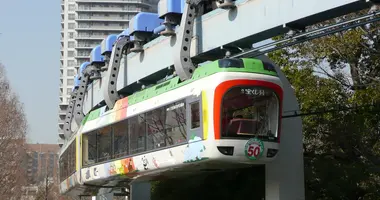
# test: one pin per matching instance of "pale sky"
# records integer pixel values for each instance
(30, 51)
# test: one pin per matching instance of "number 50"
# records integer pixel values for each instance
(253, 150)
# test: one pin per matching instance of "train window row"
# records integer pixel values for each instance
(67, 162)
(159, 128)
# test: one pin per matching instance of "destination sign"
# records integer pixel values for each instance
(253, 91)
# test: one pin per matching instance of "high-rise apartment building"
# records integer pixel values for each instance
(84, 24)
(68, 63)
(42, 162)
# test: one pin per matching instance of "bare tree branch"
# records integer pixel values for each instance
(12, 141)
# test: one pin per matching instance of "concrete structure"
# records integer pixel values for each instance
(284, 177)
(84, 24)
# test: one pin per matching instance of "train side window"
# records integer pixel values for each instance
(62, 175)
(155, 124)
(104, 144)
(64, 163)
(67, 161)
(175, 123)
(137, 133)
(195, 115)
(89, 148)
(121, 140)
(73, 148)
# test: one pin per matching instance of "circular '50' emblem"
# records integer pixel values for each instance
(254, 148)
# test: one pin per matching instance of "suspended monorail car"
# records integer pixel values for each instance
(227, 115)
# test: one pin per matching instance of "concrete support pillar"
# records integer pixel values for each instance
(140, 191)
(285, 176)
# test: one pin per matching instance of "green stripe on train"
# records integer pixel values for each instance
(91, 116)
(250, 66)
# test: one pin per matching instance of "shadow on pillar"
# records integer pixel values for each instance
(140, 191)
(233, 184)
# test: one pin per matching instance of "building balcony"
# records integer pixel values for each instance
(61, 136)
(102, 19)
(62, 112)
(60, 142)
(91, 37)
(100, 28)
(82, 56)
(82, 9)
(127, 2)
(63, 104)
(85, 47)
(81, 45)
(61, 121)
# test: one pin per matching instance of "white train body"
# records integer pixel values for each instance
(206, 147)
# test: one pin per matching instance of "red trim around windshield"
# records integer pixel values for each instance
(222, 88)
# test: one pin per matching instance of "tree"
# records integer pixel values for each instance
(342, 148)
(12, 141)
(49, 190)
(335, 166)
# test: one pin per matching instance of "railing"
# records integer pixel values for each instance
(91, 36)
(87, 45)
(62, 112)
(61, 121)
(102, 27)
(84, 54)
(96, 8)
(121, 1)
(105, 18)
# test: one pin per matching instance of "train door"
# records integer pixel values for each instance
(194, 118)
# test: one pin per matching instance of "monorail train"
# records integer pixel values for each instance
(227, 115)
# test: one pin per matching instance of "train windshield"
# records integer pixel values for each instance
(250, 111)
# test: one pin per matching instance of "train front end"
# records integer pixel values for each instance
(247, 117)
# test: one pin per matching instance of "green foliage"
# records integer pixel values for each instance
(341, 148)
